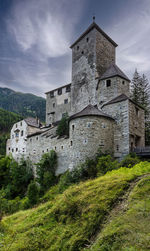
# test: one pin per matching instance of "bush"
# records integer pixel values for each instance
(105, 164)
(33, 193)
(46, 170)
(63, 126)
(129, 160)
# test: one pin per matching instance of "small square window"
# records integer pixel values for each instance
(66, 101)
(60, 91)
(108, 82)
(68, 88)
(82, 52)
(52, 94)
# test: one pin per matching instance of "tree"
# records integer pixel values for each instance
(140, 93)
(63, 127)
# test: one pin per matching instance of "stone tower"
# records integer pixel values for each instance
(92, 53)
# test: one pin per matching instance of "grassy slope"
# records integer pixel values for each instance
(73, 219)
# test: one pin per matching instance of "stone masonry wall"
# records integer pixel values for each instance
(119, 111)
(58, 105)
(87, 134)
(105, 54)
(117, 87)
(136, 126)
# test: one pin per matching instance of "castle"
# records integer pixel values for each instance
(101, 114)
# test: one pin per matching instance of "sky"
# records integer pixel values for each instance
(35, 39)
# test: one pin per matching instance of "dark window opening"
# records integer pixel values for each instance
(47, 150)
(21, 123)
(51, 94)
(12, 150)
(68, 88)
(62, 147)
(108, 82)
(16, 125)
(60, 91)
(71, 142)
(53, 105)
(117, 147)
(55, 148)
(37, 138)
(21, 133)
(72, 127)
(137, 111)
(87, 40)
(123, 82)
(77, 47)
(82, 52)
(16, 149)
(66, 101)
(9, 148)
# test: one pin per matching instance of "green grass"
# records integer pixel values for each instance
(72, 220)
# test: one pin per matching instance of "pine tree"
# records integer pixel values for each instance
(140, 93)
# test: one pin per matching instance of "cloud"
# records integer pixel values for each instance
(42, 31)
(131, 31)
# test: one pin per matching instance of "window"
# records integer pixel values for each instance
(137, 111)
(55, 147)
(21, 123)
(17, 134)
(123, 82)
(117, 147)
(43, 151)
(60, 91)
(9, 149)
(62, 147)
(87, 40)
(12, 150)
(82, 52)
(30, 140)
(37, 138)
(21, 133)
(16, 149)
(64, 114)
(72, 127)
(52, 94)
(47, 150)
(77, 47)
(108, 82)
(68, 88)
(53, 105)
(66, 101)
(71, 143)
(16, 125)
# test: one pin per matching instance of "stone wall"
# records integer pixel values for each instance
(136, 126)
(83, 73)
(88, 134)
(119, 111)
(58, 104)
(117, 87)
(105, 54)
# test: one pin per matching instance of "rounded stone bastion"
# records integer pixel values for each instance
(90, 130)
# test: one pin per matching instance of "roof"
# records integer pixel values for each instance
(121, 98)
(92, 26)
(90, 110)
(32, 122)
(63, 86)
(112, 71)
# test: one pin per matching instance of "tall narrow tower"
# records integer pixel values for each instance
(92, 54)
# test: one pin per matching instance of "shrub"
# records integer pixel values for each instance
(33, 193)
(46, 170)
(130, 160)
(63, 127)
(105, 164)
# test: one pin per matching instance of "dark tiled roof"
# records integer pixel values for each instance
(32, 122)
(92, 26)
(34, 134)
(63, 86)
(121, 98)
(113, 71)
(90, 110)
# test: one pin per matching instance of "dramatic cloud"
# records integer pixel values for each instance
(43, 31)
(131, 31)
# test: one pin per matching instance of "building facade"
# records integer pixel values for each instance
(101, 114)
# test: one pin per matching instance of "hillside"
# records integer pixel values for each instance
(25, 104)
(7, 119)
(107, 213)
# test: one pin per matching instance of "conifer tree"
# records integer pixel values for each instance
(140, 93)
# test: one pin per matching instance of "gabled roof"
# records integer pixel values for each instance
(90, 110)
(92, 26)
(121, 98)
(112, 71)
(32, 122)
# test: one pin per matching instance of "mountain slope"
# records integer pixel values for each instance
(25, 104)
(78, 219)
(7, 119)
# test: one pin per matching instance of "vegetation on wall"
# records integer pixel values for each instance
(63, 126)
